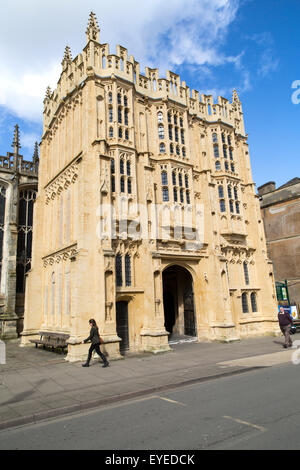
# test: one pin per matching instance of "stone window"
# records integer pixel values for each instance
(246, 273)
(161, 132)
(119, 277)
(162, 148)
(214, 137)
(216, 151)
(111, 132)
(127, 270)
(160, 117)
(253, 302)
(218, 165)
(245, 303)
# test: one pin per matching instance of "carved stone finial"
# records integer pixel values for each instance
(235, 96)
(35, 157)
(93, 30)
(48, 93)
(67, 59)
(16, 142)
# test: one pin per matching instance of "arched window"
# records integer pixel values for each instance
(183, 152)
(229, 191)
(245, 303)
(221, 191)
(129, 185)
(126, 117)
(112, 166)
(161, 132)
(171, 149)
(175, 195)
(186, 180)
(225, 151)
(174, 178)
(122, 166)
(229, 140)
(128, 168)
(230, 154)
(181, 196)
(235, 191)
(223, 137)
(119, 280)
(226, 165)
(237, 207)
(164, 178)
(125, 101)
(218, 165)
(231, 207)
(24, 243)
(180, 179)
(181, 122)
(120, 133)
(170, 132)
(126, 134)
(122, 184)
(222, 205)
(165, 194)
(182, 136)
(253, 302)
(214, 138)
(119, 98)
(177, 150)
(110, 97)
(160, 117)
(232, 168)
(162, 148)
(110, 114)
(111, 132)
(119, 115)
(127, 270)
(169, 117)
(175, 119)
(246, 273)
(216, 151)
(113, 186)
(176, 134)
(188, 201)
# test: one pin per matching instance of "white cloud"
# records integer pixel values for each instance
(164, 34)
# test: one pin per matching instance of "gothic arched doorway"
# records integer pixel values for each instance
(178, 298)
(122, 325)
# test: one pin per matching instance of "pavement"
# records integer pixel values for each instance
(37, 384)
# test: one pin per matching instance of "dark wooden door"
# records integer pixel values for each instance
(122, 325)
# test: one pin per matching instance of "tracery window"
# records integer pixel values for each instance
(127, 270)
(245, 303)
(246, 273)
(24, 244)
(253, 302)
(119, 277)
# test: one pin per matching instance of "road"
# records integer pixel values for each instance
(255, 410)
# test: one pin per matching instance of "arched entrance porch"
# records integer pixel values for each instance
(178, 299)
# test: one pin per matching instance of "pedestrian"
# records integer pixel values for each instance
(285, 322)
(95, 339)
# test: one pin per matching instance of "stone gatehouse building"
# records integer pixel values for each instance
(146, 214)
(18, 188)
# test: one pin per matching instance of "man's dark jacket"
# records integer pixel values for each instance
(285, 319)
(94, 336)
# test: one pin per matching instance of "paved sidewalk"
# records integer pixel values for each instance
(37, 384)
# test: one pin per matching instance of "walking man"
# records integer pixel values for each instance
(285, 322)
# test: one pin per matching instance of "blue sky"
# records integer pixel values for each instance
(215, 46)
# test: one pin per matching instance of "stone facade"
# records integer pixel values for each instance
(146, 211)
(280, 210)
(18, 187)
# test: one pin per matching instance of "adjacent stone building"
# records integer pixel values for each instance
(146, 215)
(280, 210)
(18, 187)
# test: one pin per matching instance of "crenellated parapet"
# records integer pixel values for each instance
(96, 60)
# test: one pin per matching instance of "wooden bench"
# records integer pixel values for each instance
(51, 340)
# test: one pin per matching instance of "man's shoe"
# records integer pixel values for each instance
(106, 364)
(85, 365)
